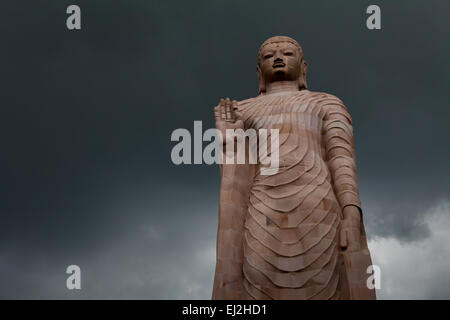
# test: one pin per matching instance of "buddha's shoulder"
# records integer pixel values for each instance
(329, 103)
(325, 97)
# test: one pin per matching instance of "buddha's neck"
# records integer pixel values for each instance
(281, 86)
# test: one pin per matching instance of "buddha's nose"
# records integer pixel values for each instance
(278, 59)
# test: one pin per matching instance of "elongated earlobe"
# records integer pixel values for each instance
(261, 84)
(302, 78)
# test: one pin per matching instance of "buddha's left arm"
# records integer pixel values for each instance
(340, 153)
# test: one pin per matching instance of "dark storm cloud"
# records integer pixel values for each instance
(87, 116)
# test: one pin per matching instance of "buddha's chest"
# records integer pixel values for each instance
(287, 119)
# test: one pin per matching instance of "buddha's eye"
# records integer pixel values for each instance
(268, 56)
(288, 53)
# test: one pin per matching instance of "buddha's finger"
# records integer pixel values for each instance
(343, 239)
(217, 111)
(233, 109)
(228, 110)
(222, 109)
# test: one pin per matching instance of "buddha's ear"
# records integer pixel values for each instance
(261, 83)
(302, 79)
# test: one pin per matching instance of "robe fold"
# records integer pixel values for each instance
(278, 235)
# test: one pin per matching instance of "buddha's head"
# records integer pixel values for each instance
(280, 58)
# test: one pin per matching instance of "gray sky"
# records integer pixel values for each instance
(86, 118)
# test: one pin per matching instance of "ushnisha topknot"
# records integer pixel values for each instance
(278, 39)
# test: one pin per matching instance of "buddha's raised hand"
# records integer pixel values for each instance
(226, 117)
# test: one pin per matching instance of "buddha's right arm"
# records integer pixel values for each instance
(233, 205)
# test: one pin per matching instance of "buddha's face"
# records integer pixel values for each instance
(280, 62)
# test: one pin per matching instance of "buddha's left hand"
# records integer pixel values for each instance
(350, 234)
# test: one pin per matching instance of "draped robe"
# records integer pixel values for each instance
(278, 235)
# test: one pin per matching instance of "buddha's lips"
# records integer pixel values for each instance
(278, 65)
